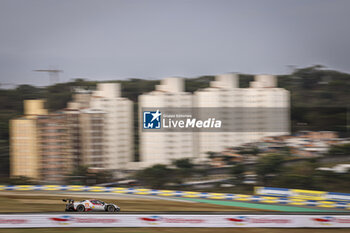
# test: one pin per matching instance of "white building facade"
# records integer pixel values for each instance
(255, 112)
(118, 127)
(164, 147)
(105, 128)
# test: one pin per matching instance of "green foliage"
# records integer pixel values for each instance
(184, 164)
(132, 88)
(20, 180)
(339, 150)
(184, 169)
(286, 151)
(82, 175)
(238, 169)
(238, 172)
(309, 87)
(269, 165)
(156, 176)
(302, 176)
(211, 154)
(248, 151)
(193, 84)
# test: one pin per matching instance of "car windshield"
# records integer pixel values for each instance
(97, 202)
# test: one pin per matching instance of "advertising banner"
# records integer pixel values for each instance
(302, 194)
(101, 220)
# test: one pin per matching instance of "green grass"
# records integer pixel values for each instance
(261, 207)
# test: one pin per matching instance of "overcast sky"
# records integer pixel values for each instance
(119, 39)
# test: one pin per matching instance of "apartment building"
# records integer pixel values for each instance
(39, 144)
(118, 126)
(81, 99)
(56, 160)
(163, 147)
(24, 146)
(255, 112)
(250, 114)
(74, 135)
(101, 128)
(92, 139)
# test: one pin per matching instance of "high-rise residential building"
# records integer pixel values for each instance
(118, 126)
(81, 101)
(24, 146)
(225, 96)
(39, 144)
(74, 135)
(92, 139)
(56, 160)
(163, 147)
(250, 113)
(101, 128)
(255, 112)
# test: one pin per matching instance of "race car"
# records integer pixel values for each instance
(90, 205)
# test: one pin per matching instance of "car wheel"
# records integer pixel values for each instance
(110, 208)
(80, 208)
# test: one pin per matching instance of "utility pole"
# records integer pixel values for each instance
(53, 75)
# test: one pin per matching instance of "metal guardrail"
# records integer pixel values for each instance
(172, 193)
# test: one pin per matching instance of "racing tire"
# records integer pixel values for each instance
(80, 208)
(110, 208)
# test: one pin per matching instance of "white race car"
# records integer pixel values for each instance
(90, 205)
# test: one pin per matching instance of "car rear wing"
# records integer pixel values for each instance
(68, 200)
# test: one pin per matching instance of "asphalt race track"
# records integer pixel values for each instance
(182, 213)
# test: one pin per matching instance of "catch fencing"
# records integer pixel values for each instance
(302, 194)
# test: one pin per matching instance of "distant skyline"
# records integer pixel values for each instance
(153, 39)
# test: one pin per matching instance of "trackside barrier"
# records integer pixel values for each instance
(275, 221)
(172, 193)
(302, 194)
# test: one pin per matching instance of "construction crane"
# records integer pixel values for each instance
(53, 75)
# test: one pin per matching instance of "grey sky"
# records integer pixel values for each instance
(103, 40)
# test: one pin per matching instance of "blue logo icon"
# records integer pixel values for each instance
(152, 120)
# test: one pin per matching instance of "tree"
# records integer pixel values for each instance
(286, 151)
(21, 180)
(211, 154)
(156, 176)
(83, 175)
(238, 172)
(185, 163)
(339, 150)
(269, 165)
(249, 151)
(299, 176)
(184, 169)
